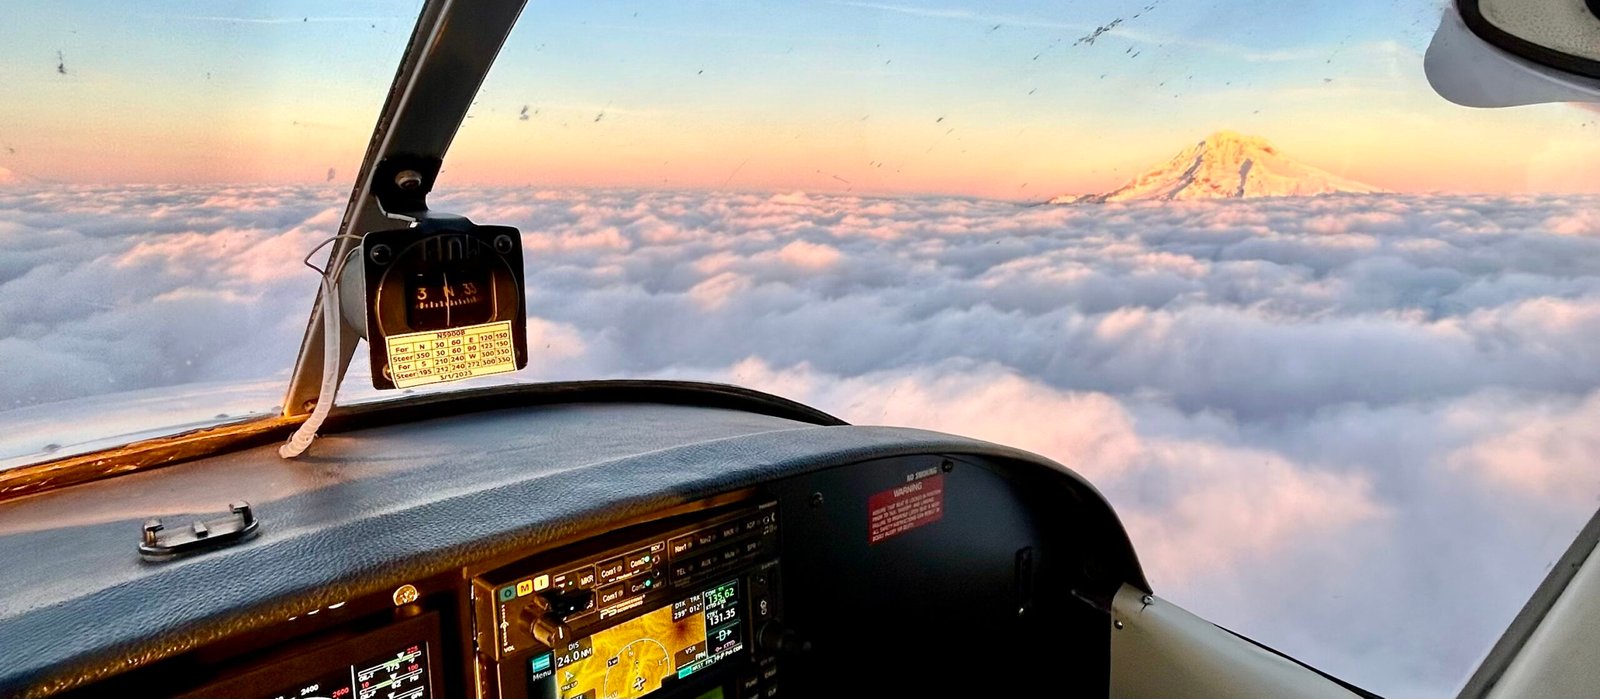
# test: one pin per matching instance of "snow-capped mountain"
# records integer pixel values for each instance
(1227, 165)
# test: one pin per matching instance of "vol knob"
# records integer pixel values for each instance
(547, 628)
(546, 618)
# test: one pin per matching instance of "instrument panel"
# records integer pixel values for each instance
(681, 607)
(855, 575)
(398, 661)
(686, 606)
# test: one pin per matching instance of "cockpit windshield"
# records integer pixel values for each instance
(163, 168)
(1235, 262)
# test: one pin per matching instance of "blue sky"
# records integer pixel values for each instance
(987, 99)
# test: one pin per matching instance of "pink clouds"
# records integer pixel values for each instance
(601, 238)
(1585, 221)
(1089, 432)
(1234, 506)
(1278, 395)
(808, 255)
(717, 291)
(1546, 453)
(1220, 506)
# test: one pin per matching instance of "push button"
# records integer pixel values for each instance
(577, 577)
(750, 687)
(611, 569)
(763, 603)
(612, 594)
(680, 545)
(644, 558)
(645, 584)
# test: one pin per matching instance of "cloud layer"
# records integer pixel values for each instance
(1354, 428)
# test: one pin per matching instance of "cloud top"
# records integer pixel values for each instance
(1352, 427)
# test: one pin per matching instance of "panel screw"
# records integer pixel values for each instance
(380, 254)
(1117, 623)
(502, 244)
(816, 499)
(405, 594)
(408, 179)
(947, 465)
(1147, 600)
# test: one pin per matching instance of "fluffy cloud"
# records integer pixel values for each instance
(1354, 428)
(1196, 504)
(1545, 452)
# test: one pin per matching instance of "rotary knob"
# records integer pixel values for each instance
(546, 618)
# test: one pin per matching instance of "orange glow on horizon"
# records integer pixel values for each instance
(904, 159)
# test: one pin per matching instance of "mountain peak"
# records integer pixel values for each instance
(1227, 165)
(1234, 136)
(1226, 135)
(1227, 139)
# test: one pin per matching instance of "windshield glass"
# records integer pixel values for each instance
(1355, 427)
(1324, 339)
(163, 168)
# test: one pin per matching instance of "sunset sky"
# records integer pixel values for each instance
(992, 99)
(1356, 429)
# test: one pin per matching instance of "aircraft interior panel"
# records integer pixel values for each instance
(724, 553)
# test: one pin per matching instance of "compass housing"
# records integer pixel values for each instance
(437, 296)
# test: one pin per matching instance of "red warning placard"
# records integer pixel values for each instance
(901, 509)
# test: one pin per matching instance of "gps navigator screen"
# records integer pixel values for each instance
(634, 658)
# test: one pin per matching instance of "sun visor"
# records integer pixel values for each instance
(1562, 34)
(1469, 69)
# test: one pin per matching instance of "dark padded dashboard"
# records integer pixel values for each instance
(369, 509)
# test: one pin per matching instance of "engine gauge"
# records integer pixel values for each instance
(444, 301)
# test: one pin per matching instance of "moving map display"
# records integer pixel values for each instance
(636, 657)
